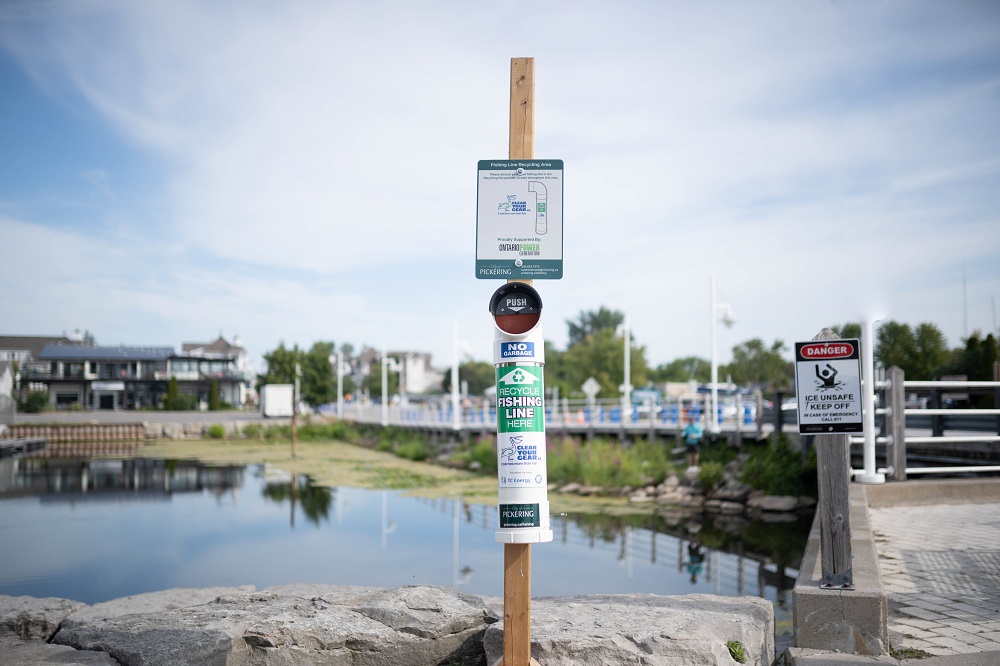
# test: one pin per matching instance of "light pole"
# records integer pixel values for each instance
(626, 388)
(385, 383)
(728, 319)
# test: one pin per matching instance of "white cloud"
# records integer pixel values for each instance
(819, 158)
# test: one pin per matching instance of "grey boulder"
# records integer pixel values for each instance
(32, 619)
(407, 626)
(614, 630)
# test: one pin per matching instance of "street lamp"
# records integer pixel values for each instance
(385, 383)
(626, 388)
(456, 405)
(728, 319)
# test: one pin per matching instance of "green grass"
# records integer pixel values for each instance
(737, 651)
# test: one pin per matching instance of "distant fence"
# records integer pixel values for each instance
(57, 434)
(7, 409)
(570, 415)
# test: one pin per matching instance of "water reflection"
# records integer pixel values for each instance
(97, 529)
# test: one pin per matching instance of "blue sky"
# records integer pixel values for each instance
(305, 171)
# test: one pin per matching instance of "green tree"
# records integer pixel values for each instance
(848, 330)
(895, 345)
(280, 366)
(976, 360)
(682, 370)
(319, 383)
(213, 396)
(373, 382)
(480, 375)
(930, 353)
(170, 399)
(590, 322)
(601, 355)
(757, 365)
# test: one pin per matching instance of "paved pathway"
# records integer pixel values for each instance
(940, 567)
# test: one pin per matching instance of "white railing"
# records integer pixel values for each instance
(894, 389)
(571, 414)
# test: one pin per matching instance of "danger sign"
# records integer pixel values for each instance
(828, 386)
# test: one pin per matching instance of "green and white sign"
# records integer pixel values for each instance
(521, 427)
(519, 220)
(520, 399)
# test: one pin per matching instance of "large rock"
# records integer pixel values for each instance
(150, 602)
(774, 503)
(407, 626)
(15, 652)
(33, 619)
(613, 630)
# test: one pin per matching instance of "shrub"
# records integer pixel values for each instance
(216, 431)
(711, 475)
(413, 450)
(37, 401)
(778, 470)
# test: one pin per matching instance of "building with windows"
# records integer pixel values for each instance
(136, 377)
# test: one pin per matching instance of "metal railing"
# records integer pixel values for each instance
(895, 414)
(570, 414)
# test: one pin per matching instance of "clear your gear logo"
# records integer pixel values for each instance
(512, 206)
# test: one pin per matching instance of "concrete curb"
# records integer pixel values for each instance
(845, 621)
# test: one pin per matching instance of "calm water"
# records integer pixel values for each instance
(97, 530)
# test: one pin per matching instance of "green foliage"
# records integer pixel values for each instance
(977, 358)
(778, 470)
(216, 431)
(848, 330)
(36, 402)
(185, 402)
(373, 382)
(318, 382)
(413, 450)
(717, 450)
(170, 399)
(921, 354)
(737, 651)
(590, 322)
(755, 364)
(607, 464)
(482, 451)
(682, 370)
(711, 475)
(478, 374)
(213, 396)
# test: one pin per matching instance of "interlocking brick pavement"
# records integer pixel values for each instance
(940, 567)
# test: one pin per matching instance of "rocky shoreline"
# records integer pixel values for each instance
(732, 497)
(416, 625)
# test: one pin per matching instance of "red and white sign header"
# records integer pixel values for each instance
(827, 350)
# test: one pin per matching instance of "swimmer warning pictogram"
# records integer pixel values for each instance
(828, 386)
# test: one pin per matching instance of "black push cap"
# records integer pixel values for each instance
(516, 308)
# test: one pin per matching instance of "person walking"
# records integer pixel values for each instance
(692, 440)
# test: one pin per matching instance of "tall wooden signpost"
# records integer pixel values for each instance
(519, 238)
(517, 556)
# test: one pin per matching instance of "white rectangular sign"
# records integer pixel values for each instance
(828, 386)
(519, 220)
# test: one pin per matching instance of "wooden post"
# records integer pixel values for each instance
(517, 556)
(833, 465)
(896, 423)
(833, 469)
